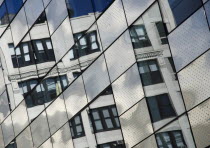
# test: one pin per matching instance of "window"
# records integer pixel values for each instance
(86, 45)
(139, 36)
(41, 19)
(171, 139)
(162, 33)
(45, 92)
(160, 107)
(76, 127)
(25, 55)
(117, 144)
(150, 72)
(172, 66)
(105, 118)
(12, 145)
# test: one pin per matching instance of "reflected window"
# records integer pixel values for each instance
(76, 127)
(107, 91)
(116, 144)
(105, 118)
(86, 45)
(4, 18)
(12, 145)
(160, 107)
(45, 92)
(41, 19)
(161, 30)
(182, 9)
(150, 72)
(171, 139)
(27, 54)
(139, 36)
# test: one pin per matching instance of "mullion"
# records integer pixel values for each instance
(112, 117)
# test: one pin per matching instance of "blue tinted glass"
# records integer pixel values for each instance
(3, 16)
(100, 5)
(207, 8)
(183, 8)
(13, 6)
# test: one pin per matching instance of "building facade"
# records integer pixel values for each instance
(104, 73)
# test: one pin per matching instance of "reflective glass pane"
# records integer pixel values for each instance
(24, 140)
(7, 130)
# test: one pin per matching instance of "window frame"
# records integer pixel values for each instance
(162, 34)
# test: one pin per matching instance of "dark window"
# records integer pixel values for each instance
(76, 74)
(162, 33)
(25, 55)
(117, 144)
(150, 72)
(139, 36)
(76, 127)
(12, 145)
(107, 91)
(160, 107)
(86, 45)
(172, 66)
(47, 91)
(172, 139)
(105, 118)
(41, 19)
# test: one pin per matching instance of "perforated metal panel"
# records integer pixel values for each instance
(56, 114)
(127, 89)
(62, 138)
(199, 119)
(136, 124)
(134, 8)
(75, 97)
(147, 143)
(56, 12)
(190, 39)
(112, 23)
(120, 56)
(40, 129)
(24, 140)
(194, 81)
(20, 118)
(96, 78)
(7, 130)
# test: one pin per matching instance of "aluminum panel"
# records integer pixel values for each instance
(127, 89)
(7, 130)
(24, 140)
(112, 23)
(56, 114)
(40, 129)
(19, 27)
(147, 143)
(62, 138)
(136, 124)
(200, 123)
(194, 81)
(4, 106)
(33, 9)
(96, 78)
(20, 118)
(56, 12)
(120, 56)
(134, 8)
(75, 97)
(190, 39)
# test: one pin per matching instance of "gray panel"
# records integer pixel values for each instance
(19, 26)
(33, 9)
(47, 144)
(56, 12)
(62, 39)
(199, 119)
(190, 39)
(194, 81)
(147, 143)
(4, 106)
(127, 89)
(207, 9)
(56, 114)
(1, 138)
(20, 118)
(134, 8)
(112, 23)
(136, 124)
(96, 78)
(120, 56)
(7, 129)
(62, 138)
(24, 140)
(40, 129)
(75, 97)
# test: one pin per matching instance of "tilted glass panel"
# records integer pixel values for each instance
(149, 142)
(207, 9)
(4, 105)
(127, 89)
(100, 6)
(7, 130)
(24, 140)
(1, 138)
(47, 144)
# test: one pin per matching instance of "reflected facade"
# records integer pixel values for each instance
(104, 73)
